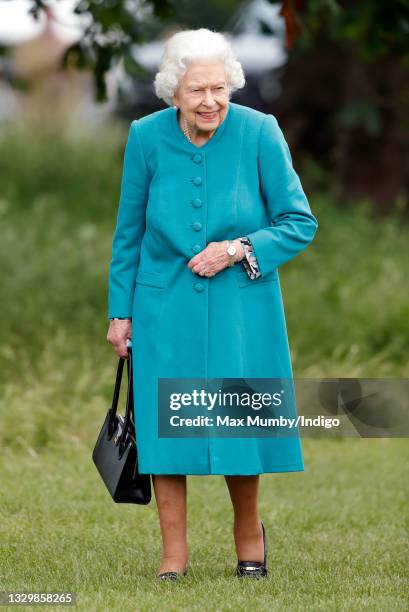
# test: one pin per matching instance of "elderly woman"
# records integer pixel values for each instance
(210, 207)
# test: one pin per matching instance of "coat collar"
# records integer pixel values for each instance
(189, 146)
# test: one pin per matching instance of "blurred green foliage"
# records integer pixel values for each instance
(116, 25)
(344, 90)
(345, 94)
(377, 29)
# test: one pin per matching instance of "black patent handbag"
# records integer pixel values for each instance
(115, 454)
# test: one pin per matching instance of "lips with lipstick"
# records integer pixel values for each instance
(208, 116)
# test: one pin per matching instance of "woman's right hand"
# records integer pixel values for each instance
(118, 333)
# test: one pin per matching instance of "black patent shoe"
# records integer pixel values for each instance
(171, 575)
(255, 569)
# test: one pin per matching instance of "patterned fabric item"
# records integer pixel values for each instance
(250, 262)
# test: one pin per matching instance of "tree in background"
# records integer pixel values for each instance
(345, 95)
(117, 25)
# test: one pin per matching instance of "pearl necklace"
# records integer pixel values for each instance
(186, 130)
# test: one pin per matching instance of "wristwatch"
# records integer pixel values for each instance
(121, 318)
(231, 252)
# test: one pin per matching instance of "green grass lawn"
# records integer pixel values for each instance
(336, 533)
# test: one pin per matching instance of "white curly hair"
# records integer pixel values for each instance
(188, 46)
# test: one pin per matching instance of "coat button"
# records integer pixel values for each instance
(196, 248)
(199, 287)
(197, 226)
(197, 181)
(197, 202)
(197, 158)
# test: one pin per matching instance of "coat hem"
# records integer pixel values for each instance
(292, 467)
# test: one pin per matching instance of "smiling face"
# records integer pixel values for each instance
(203, 96)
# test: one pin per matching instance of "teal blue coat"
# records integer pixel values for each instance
(175, 198)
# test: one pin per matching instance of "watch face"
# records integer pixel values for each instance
(231, 250)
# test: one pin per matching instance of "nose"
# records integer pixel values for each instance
(209, 99)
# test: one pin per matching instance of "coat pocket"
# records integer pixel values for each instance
(244, 280)
(151, 279)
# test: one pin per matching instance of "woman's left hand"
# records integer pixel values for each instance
(214, 258)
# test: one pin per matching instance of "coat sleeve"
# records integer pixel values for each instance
(130, 227)
(293, 225)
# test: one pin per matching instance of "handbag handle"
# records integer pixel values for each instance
(129, 397)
